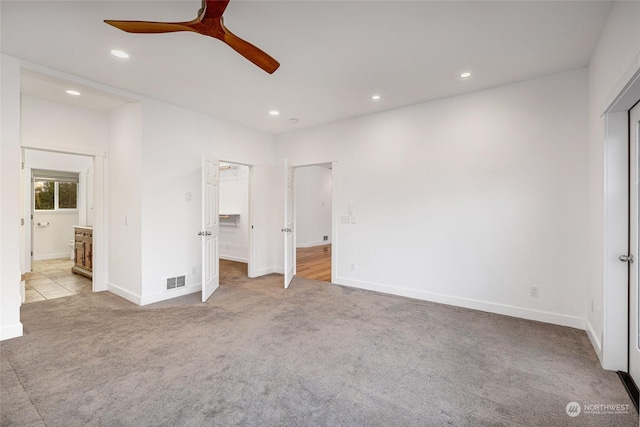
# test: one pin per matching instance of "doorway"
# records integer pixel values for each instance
(59, 190)
(235, 222)
(633, 378)
(58, 196)
(313, 221)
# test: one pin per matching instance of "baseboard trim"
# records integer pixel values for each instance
(595, 342)
(490, 307)
(312, 244)
(234, 258)
(269, 270)
(174, 293)
(58, 255)
(129, 296)
(13, 331)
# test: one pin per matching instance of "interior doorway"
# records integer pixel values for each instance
(57, 199)
(235, 213)
(632, 379)
(313, 193)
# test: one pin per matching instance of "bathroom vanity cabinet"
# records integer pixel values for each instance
(83, 252)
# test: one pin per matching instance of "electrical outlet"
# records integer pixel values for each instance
(533, 291)
(325, 238)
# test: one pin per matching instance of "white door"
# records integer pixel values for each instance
(289, 244)
(210, 226)
(634, 338)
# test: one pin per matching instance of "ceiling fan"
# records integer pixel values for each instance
(209, 23)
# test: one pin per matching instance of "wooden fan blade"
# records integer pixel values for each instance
(249, 51)
(214, 8)
(150, 27)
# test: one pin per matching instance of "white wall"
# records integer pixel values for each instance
(607, 181)
(234, 199)
(10, 296)
(125, 202)
(313, 205)
(173, 139)
(52, 124)
(468, 200)
(51, 234)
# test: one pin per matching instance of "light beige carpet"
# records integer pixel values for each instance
(315, 354)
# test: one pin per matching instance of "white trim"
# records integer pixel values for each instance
(56, 212)
(614, 345)
(312, 244)
(507, 310)
(13, 331)
(251, 257)
(334, 221)
(58, 255)
(595, 342)
(170, 294)
(270, 270)
(54, 147)
(626, 91)
(129, 296)
(234, 258)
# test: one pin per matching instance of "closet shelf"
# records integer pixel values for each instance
(230, 220)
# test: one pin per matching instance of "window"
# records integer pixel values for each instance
(55, 190)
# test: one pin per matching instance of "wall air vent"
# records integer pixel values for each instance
(176, 282)
(181, 281)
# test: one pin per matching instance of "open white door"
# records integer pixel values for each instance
(210, 226)
(634, 186)
(289, 244)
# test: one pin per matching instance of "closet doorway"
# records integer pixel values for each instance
(235, 235)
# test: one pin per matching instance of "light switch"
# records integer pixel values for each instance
(187, 196)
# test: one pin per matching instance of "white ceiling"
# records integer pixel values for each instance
(334, 54)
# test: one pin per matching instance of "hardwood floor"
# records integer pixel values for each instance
(314, 262)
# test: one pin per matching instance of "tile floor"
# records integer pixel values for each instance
(53, 279)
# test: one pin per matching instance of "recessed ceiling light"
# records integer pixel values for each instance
(274, 113)
(375, 97)
(293, 120)
(465, 75)
(73, 92)
(119, 54)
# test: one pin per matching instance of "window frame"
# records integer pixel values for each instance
(56, 197)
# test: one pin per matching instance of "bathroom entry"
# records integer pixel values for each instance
(57, 196)
(235, 222)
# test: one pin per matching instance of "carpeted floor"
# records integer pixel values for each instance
(315, 354)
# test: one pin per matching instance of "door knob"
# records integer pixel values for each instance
(625, 258)
(200, 233)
